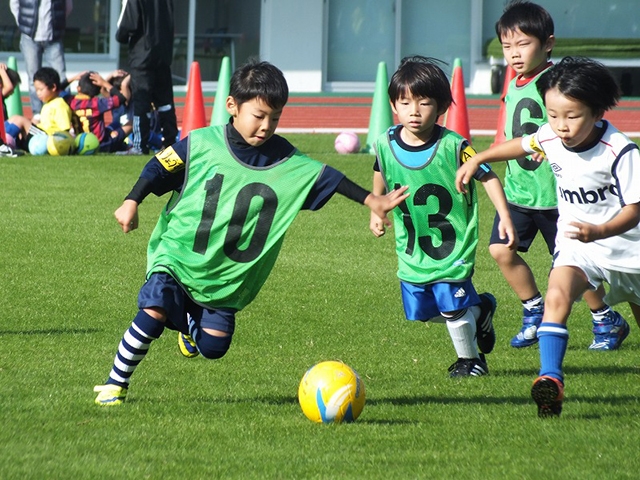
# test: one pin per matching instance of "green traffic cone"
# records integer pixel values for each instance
(14, 102)
(220, 116)
(381, 115)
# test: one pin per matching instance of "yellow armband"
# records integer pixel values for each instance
(170, 160)
(467, 153)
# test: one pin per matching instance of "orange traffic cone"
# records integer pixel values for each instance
(193, 116)
(457, 118)
(509, 74)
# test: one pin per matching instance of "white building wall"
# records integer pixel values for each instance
(292, 39)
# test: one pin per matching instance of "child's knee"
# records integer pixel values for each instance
(213, 347)
(501, 254)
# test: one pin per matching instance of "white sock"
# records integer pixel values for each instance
(463, 334)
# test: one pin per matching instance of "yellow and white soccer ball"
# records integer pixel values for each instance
(331, 392)
(60, 143)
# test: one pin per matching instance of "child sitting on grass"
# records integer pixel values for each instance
(90, 107)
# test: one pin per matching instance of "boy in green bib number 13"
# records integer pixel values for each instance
(437, 228)
(236, 189)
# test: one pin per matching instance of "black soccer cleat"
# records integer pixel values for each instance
(548, 393)
(469, 367)
(485, 333)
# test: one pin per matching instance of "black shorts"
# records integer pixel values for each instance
(528, 223)
(162, 291)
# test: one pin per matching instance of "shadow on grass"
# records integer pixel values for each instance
(568, 370)
(619, 400)
(51, 331)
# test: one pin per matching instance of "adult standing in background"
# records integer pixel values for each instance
(146, 26)
(42, 24)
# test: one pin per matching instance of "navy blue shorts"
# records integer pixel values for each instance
(528, 223)
(423, 302)
(113, 143)
(161, 290)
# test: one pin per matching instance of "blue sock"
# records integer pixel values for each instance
(553, 345)
(133, 347)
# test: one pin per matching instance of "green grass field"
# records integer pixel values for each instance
(70, 279)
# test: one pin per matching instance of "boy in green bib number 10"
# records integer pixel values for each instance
(236, 189)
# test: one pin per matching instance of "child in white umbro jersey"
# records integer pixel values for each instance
(597, 171)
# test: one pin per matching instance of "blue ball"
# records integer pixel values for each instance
(38, 145)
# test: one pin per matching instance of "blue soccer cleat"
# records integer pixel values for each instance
(609, 333)
(528, 334)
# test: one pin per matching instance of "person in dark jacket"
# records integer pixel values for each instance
(42, 24)
(147, 26)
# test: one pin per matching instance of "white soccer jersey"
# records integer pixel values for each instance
(592, 187)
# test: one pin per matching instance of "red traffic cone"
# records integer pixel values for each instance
(509, 74)
(193, 116)
(457, 118)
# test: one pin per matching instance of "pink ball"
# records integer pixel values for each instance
(347, 142)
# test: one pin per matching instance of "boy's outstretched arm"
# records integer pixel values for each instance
(495, 192)
(376, 224)
(500, 153)
(380, 205)
(127, 215)
(628, 218)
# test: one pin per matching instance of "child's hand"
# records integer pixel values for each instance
(376, 225)
(583, 232)
(117, 73)
(537, 157)
(96, 79)
(127, 215)
(464, 175)
(382, 204)
(76, 77)
(506, 230)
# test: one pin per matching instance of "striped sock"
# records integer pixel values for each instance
(553, 345)
(133, 347)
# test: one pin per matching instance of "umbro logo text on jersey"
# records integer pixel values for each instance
(583, 196)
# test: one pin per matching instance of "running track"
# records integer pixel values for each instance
(335, 113)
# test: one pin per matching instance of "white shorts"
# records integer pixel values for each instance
(623, 286)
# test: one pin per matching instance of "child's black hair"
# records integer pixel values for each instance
(528, 17)
(117, 81)
(13, 76)
(422, 78)
(87, 86)
(584, 80)
(262, 80)
(49, 76)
